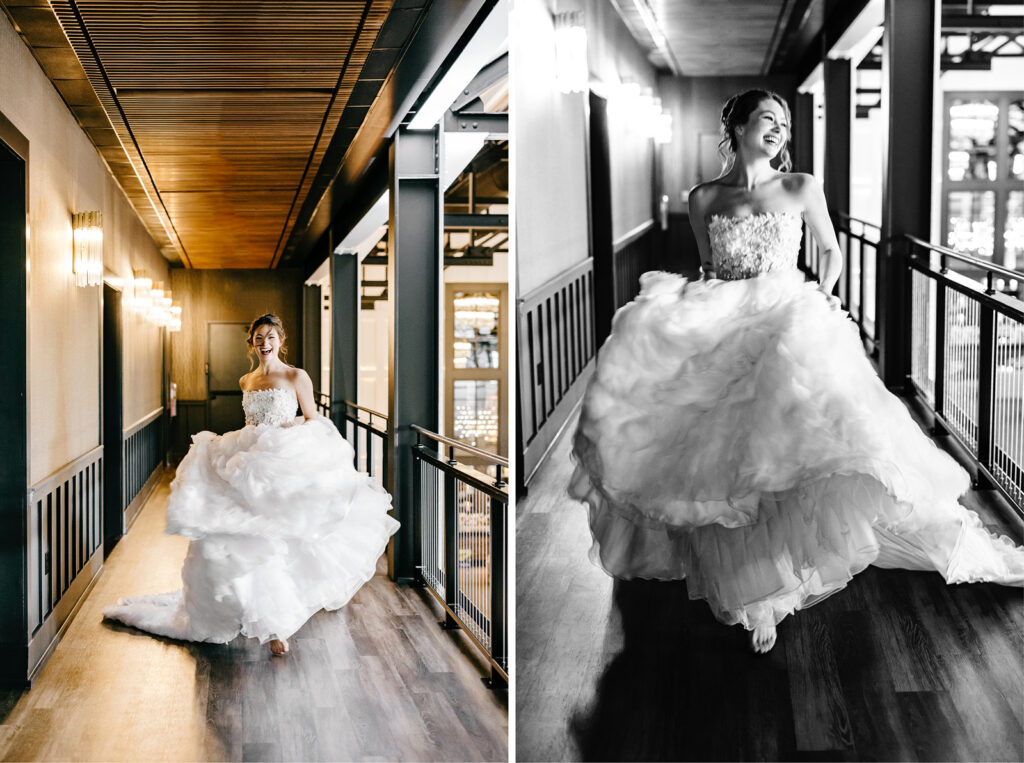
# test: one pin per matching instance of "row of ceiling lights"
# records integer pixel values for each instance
(148, 300)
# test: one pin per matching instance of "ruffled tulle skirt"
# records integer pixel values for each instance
(735, 434)
(281, 525)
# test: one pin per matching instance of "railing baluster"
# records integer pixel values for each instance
(986, 387)
(369, 451)
(940, 353)
(451, 547)
(498, 555)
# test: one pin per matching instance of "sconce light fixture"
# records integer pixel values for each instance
(154, 303)
(572, 71)
(87, 242)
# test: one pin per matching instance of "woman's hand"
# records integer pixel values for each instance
(833, 301)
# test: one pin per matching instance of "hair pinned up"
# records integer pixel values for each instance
(266, 320)
(737, 111)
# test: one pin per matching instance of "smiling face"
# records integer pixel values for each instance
(266, 343)
(766, 130)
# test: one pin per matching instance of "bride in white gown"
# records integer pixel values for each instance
(734, 432)
(281, 524)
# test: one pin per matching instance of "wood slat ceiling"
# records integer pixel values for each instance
(215, 116)
(721, 38)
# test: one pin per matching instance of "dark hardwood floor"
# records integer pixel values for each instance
(376, 680)
(898, 666)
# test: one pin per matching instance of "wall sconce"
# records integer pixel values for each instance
(87, 242)
(572, 71)
(155, 304)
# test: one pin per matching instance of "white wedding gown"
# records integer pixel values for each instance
(281, 525)
(735, 434)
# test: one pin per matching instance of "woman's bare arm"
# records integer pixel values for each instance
(304, 392)
(818, 220)
(698, 201)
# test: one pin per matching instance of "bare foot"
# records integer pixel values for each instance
(762, 638)
(278, 647)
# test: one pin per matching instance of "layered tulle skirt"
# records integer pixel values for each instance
(281, 525)
(736, 435)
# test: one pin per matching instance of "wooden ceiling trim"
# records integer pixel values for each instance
(401, 26)
(74, 29)
(370, 24)
(37, 24)
(220, 119)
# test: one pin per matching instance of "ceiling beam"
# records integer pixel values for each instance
(445, 29)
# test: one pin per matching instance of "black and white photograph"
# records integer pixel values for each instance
(770, 380)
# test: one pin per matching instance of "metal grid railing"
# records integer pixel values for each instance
(967, 361)
(859, 245)
(922, 333)
(463, 539)
(366, 431)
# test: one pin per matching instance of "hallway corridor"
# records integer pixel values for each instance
(899, 666)
(376, 680)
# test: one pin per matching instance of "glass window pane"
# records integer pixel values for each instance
(972, 139)
(1013, 235)
(971, 222)
(1016, 130)
(476, 413)
(475, 344)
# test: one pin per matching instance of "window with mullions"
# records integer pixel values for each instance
(982, 209)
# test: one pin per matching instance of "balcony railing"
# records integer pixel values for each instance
(859, 244)
(967, 360)
(464, 547)
(365, 429)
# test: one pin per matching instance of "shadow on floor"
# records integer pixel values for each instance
(680, 675)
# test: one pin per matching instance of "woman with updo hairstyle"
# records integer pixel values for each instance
(735, 434)
(280, 523)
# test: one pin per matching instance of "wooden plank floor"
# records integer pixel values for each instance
(899, 666)
(376, 680)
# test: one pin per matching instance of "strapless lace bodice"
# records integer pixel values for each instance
(269, 406)
(744, 247)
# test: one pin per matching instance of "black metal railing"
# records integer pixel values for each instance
(366, 431)
(859, 243)
(463, 514)
(967, 360)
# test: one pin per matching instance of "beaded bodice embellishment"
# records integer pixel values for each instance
(745, 247)
(269, 406)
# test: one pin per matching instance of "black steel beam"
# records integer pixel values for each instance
(344, 333)
(978, 23)
(478, 222)
(443, 33)
(414, 273)
(493, 123)
(489, 76)
(839, 122)
(909, 64)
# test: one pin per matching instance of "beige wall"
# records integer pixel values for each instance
(615, 58)
(549, 127)
(228, 295)
(67, 175)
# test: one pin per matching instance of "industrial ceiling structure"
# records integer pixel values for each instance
(235, 127)
(693, 38)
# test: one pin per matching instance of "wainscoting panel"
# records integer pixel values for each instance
(634, 254)
(143, 455)
(556, 352)
(191, 418)
(65, 538)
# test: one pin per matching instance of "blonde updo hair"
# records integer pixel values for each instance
(275, 323)
(737, 111)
